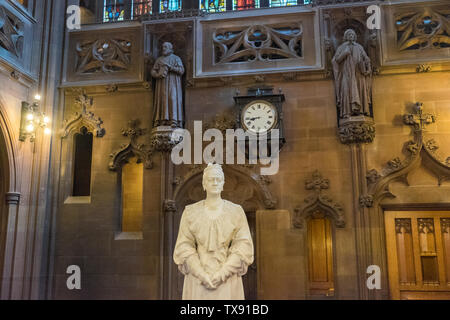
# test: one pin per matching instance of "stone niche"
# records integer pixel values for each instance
(253, 42)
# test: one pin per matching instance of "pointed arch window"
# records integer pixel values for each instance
(82, 163)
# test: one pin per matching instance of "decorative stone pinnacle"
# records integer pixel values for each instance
(84, 101)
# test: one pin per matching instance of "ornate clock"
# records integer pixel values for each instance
(260, 111)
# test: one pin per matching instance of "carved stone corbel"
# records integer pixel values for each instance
(84, 118)
(170, 207)
(358, 129)
(164, 140)
(318, 202)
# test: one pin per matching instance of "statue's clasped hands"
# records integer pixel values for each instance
(212, 282)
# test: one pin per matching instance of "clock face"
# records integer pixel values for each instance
(259, 117)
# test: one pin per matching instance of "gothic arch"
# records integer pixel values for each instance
(8, 145)
(7, 179)
(259, 184)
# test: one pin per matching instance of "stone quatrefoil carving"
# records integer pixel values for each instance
(11, 32)
(423, 30)
(103, 55)
(258, 43)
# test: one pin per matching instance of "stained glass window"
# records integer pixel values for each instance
(141, 7)
(114, 10)
(245, 4)
(282, 3)
(213, 5)
(169, 5)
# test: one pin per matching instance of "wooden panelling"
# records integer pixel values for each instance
(418, 254)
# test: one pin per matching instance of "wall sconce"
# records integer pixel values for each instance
(32, 119)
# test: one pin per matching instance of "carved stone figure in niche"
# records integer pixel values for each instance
(353, 77)
(168, 95)
(214, 246)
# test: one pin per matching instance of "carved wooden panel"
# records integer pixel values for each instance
(418, 254)
(320, 256)
(405, 253)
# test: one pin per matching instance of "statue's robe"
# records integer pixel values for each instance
(353, 86)
(168, 95)
(217, 239)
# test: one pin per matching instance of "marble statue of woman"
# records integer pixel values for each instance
(214, 246)
(168, 95)
(352, 72)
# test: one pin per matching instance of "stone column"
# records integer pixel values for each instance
(163, 141)
(12, 209)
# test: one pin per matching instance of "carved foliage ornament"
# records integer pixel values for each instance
(84, 118)
(11, 32)
(318, 202)
(258, 43)
(423, 30)
(357, 132)
(103, 55)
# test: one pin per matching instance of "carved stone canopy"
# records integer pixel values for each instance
(420, 151)
(318, 203)
(83, 118)
(132, 149)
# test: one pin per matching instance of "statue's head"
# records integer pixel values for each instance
(167, 48)
(350, 35)
(213, 179)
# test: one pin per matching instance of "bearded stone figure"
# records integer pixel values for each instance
(353, 77)
(168, 95)
(214, 246)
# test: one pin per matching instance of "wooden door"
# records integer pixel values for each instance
(418, 248)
